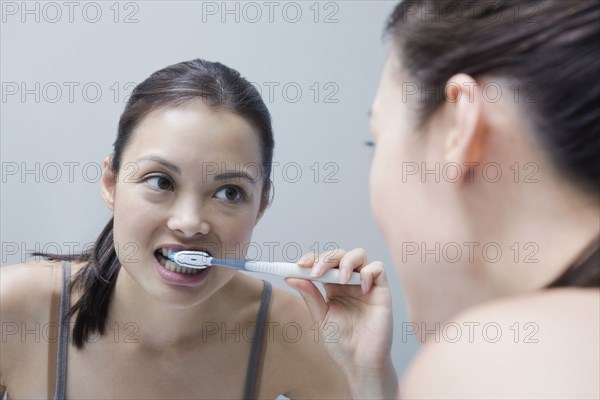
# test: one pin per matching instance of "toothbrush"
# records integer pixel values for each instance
(201, 260)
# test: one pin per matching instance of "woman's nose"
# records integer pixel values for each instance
(188, 219)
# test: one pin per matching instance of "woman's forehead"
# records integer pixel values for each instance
(196, 131)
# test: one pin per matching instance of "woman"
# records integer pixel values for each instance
(485, 185)
(183, 175)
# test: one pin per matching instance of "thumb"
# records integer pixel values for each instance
(312, 297)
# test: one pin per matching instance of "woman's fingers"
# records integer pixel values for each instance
(307, 260)
(347, 262)
(326, 261)
(352, 260)
(372, 273)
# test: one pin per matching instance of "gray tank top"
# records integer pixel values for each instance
(254, 362)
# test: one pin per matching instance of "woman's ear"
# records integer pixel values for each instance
(108, 183)
(466, 134)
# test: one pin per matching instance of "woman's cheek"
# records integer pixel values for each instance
(133, 221)
(235, 236)
(376, 188)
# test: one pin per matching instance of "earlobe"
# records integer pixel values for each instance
(108, 183)
(466, 134)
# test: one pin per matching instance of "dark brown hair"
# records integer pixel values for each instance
(552, 46)
(215, 84)
(549, 46)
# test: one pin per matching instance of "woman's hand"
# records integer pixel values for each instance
(354, 321)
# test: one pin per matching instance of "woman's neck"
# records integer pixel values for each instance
(542, 238)
(160, 325)
(541, 232)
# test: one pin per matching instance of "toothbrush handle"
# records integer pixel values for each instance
(292, 270)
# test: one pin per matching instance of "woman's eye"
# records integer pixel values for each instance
(230, 194)
(158, 182)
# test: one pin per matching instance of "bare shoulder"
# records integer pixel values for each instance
(25, 298)
(542, 345)
(26, 288)
(296, 355)
(28, 293)
(289, 324)
(288, 307)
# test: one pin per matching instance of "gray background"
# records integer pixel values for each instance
(66, 72)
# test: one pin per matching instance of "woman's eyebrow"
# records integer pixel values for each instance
(162, 162)
(234, 175)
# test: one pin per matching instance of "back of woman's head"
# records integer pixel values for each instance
(550, 48)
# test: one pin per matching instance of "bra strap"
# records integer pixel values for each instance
(63, 334)
(258, 346)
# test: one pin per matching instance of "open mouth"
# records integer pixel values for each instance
(162, 255)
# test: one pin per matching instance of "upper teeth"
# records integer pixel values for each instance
(173, 266)
(167, 252)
